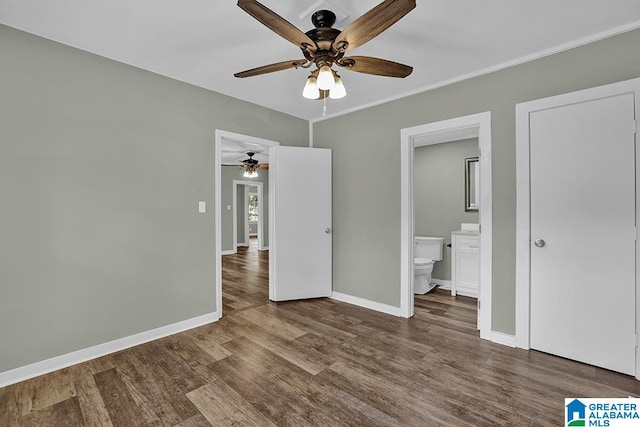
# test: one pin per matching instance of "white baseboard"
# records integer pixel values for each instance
(243, 245)
(467, 293)
(229, 252)
(361, 302)
(264, 248)
(444, 284)
(59, 362)
(504, 339)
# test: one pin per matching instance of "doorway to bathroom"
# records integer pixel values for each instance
(440, 211)
(463, 131)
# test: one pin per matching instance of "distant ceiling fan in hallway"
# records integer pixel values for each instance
(250, 166)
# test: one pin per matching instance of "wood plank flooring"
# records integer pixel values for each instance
(317, 362)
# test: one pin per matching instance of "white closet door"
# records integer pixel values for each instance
(583, 221)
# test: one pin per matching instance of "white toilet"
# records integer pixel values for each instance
(426, 251)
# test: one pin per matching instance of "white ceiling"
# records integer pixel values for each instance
(233, 152)
(205, 42)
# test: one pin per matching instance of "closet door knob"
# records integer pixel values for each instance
(539, 243)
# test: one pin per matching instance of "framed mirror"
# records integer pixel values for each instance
(471, 184)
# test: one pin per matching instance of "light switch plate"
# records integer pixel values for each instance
(202, 207)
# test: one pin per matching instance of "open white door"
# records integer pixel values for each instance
(300, 226)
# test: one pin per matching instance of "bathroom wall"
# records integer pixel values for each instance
(229, 174)
(439, 194)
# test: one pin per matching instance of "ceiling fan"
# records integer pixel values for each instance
(251, 166)
(324, 45)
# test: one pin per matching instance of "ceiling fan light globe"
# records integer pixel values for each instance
(338, 91)
(250, 173)
(326, 81)
(311, 90)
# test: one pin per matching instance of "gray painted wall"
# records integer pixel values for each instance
(229, 174)
(438, 189)
(102, 166)
(366, 207)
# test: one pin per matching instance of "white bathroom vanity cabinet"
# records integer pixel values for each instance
(465, 263)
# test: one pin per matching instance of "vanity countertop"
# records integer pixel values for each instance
(466, 232)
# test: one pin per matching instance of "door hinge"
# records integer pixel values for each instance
(479, 309)
(636, 339)
(634, 126)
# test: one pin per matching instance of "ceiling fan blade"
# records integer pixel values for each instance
(373, 23)
(278, 66)
(377, 66)
(277, 24)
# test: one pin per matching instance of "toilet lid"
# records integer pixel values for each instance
(422, 261)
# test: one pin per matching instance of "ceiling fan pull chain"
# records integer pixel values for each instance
(324, 108)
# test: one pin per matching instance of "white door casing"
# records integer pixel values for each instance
(472, 126)
(576, 226)
(300, 223)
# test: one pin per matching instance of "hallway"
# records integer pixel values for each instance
(245, 278)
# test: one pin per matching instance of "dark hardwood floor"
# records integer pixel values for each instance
(318, 362)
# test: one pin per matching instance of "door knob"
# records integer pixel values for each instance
(539, 243)
(327, 230)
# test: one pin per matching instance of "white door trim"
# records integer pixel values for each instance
(221, 135)
(258, 184)
(476, 125)
(245, 204)
(523, 206)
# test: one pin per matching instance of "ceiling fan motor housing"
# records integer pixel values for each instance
(250, 161)
(323, 18)
(323, 35)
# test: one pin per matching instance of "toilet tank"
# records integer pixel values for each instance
(428, 247)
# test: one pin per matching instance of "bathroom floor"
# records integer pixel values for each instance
(463, 306)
